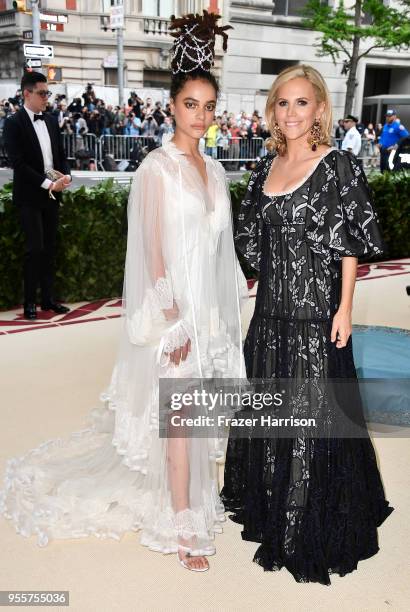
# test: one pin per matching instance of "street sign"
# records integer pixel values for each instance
(52, 27)
(53, 18)
(28, 34)
(33, 63)
(117, 17)
(38, 51)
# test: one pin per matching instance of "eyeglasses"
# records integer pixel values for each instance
(43, 93)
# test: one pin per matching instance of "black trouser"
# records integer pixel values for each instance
(384, 160)
(40, 231)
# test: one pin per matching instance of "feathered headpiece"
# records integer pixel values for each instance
(194, 47)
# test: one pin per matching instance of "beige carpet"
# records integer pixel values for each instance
(51, 378)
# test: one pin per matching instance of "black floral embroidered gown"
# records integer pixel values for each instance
(314, 505)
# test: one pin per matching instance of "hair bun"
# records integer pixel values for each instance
(194, 47)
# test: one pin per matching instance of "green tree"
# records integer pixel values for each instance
(352, 33)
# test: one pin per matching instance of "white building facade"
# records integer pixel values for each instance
(86, 48)
(267, 37)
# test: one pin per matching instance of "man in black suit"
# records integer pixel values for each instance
(34, 147)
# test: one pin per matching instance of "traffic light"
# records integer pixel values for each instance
(54, 74)
(20, 5)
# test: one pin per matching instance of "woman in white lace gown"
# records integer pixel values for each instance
(181, 319)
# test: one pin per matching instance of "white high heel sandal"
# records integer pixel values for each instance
(185, 565)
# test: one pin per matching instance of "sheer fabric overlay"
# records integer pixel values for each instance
(182, 281)
(314, 505)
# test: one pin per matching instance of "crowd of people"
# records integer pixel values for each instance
(136, 118)
(228, 137)
(234, 139)
(373, 142)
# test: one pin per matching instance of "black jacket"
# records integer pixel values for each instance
(25, 156)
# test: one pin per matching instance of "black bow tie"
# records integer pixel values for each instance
(38, 117)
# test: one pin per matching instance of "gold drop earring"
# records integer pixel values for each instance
(315, 137)
(278, 138)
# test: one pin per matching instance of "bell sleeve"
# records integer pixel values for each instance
(248, 230)
(152, 313)
(341, 219)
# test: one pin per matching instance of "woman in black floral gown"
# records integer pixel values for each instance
(314, 505)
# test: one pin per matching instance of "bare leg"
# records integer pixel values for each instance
(179, 477)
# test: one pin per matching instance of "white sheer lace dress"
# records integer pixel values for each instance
(182, 281)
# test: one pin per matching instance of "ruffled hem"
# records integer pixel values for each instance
(327, 559)
(130, 432)
(79, 487)
(315, 562)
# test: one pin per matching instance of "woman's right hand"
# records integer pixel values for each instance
(177, 342)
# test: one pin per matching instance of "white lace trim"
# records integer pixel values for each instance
(37, 503)
(177, 336)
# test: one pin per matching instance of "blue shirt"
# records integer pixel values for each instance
(132, 128)
(391, 134)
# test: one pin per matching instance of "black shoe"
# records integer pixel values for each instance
(58, 308)
(30, 312)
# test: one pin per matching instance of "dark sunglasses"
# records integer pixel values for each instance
(43, 94)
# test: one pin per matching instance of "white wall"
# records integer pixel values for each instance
(249, 43)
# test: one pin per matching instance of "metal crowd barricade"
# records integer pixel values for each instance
(121, 148)
(237, 151)
(73, 143)
(233, 153)
(369, 153)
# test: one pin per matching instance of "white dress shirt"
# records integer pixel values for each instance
(45, 143)
(352, 140)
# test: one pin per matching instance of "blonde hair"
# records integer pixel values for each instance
(322, 95)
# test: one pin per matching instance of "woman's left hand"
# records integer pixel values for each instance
(341, 328)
